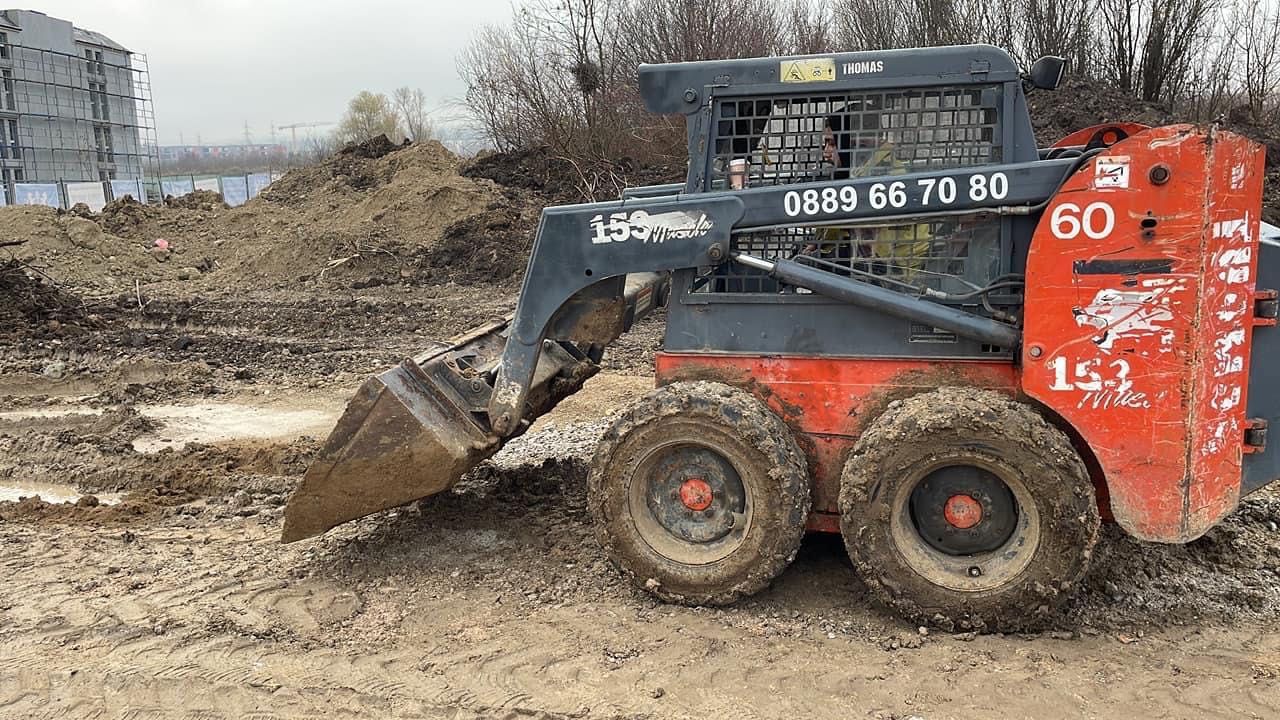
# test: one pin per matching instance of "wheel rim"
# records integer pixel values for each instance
(966, 522)
(688, 503)
(963, 510)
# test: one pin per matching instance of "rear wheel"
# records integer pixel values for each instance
(699, 493)
(963, 507)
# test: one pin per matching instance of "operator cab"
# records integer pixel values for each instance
(891, 114)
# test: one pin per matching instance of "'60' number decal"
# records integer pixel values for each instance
(1096, 221)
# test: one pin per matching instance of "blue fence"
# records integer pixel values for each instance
(235, 189)
(176, 187)
(37, 194)
(120, 188)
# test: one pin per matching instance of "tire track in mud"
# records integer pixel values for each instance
(497, 605)
(224, 670)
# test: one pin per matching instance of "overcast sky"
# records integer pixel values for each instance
(216, 65)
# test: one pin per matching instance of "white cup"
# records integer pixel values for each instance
(738, 173)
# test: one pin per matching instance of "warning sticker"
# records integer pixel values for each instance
(1112, 172)
(802, 71)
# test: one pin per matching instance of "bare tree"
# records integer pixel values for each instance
(313, 149)
(1257, 42)
(871, 24)
(368, 116)
(564, 99)
(807, 27)
(1213, 90)
(1151, 46)
(681, 30)
(411, 110)
(581, 100)
(1056, 27)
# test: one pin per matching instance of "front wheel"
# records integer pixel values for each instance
(963, 507)
(699, 494)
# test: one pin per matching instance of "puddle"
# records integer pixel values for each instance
(12, 492)
(211, 423)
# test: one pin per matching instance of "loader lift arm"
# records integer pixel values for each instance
(414, 430)
(579, 245)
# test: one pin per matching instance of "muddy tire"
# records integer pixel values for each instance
(964, 508)
(699, 494)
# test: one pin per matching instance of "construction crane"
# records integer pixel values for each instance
(293, 131)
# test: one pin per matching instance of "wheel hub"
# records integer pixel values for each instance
(696, 494)
(963, 510)
(693, 493)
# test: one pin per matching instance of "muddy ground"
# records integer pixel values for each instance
(159, 403)
(194, 419)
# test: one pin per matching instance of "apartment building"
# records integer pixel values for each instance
(74, 104)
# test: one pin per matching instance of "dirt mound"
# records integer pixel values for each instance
(364, 221)
(486, 248)
(206, 200)
(31, 305)
(372, 149)
(76, 252)
(82, 210)
(356, 167)
(1080, 104)
(562, 181)
(370, 215)
(124, 217)
(1225, 576)
(532, 169)
(133, 508)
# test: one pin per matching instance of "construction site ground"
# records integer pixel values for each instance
(158, 405)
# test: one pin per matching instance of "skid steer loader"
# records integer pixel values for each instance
(889, 314)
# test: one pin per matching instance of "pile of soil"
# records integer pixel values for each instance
(533, 169)
(76, 253)
(376, 214)
(125, 216)
(371, 149)
(486, 248)
(562, 181)
(30, 304)
(373, 214)
(206, 200)
(1080, 104)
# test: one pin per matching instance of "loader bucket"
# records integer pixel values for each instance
(416, 429)
(399, 439)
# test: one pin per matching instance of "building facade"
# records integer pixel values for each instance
(75, 105)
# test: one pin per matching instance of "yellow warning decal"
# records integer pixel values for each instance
(801, 71)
